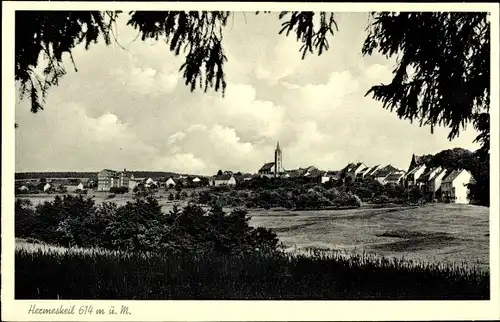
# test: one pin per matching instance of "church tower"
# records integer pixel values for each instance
(278, 159)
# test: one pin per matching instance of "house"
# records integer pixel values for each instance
(330, 176)
(47, 187)
(351, 171)
(107, 179)
(381, 174)
(150, 182)
(426, 177)
(434, 183)
(80, 186)
(24, 189)
(170, 183)
(196, 180)
(413, 175)
(454, 186)
(394, 178)
(224, 179)
(418, 160)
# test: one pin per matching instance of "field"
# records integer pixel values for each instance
(432, 233)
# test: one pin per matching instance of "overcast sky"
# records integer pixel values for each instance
(131, 109)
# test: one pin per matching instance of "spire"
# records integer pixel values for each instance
(278, 146)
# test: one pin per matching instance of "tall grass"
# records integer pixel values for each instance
(46, 272)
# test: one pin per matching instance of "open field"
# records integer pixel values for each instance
(438, 232)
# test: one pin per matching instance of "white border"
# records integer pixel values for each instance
(13, 310)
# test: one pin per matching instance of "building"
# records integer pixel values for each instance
(273, 169)
(434, 183)
(170, 183)
(394, 178)
(411, 178)
(223, 180)
(107, 179)
(330, 176)
(47, 187)
(454, 186)
(196, 180)
(351, 171)
(382, 173)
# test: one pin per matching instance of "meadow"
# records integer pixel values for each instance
(444, 233)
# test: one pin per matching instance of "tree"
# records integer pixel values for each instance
(440, 79)
(219, 173)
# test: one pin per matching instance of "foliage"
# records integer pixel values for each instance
(440, 79)
(140, 226)
(48, 273)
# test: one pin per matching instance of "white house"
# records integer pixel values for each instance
(46, 187)
(454, 186)
(435, 182)
(196, 180)
(80, 186)
(170, 183)
(224, 179)
(412, 176)
(150, 182)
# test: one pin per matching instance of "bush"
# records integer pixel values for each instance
(140, 226)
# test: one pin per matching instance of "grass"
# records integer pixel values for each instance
(431, 233)
(47, 272)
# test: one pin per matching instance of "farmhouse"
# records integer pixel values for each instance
(454, 186)
(224, 179)
(170, 183)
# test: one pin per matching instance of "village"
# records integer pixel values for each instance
(444, 185)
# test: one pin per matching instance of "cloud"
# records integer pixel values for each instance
(378, 73)
(130, 109)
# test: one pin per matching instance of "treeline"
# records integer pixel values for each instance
(75, 220)
(48, 175)
(308, 194)
(290, 197)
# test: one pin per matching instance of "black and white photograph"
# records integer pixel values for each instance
(255, 154)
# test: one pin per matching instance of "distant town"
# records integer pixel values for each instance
(445, 185)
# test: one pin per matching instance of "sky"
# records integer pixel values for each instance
(130, 108)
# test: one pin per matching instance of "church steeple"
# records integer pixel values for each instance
(278, 159)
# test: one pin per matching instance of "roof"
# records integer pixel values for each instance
(394, 176)
(453, 175)
(385, 171)
(351, 167)
(106, 172)
(267, 166)
(224, 177)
